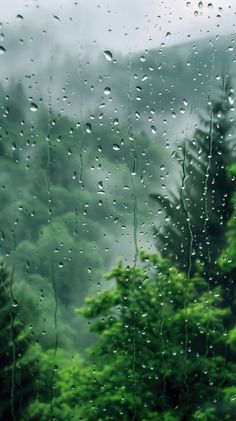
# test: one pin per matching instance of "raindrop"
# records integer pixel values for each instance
(107, 91)
(154, 130)
(88, 127)
(231, 98)
(116, 147)
(33, 107)
(2, 50)
(14, 303)
(108, 55)
(20, 17)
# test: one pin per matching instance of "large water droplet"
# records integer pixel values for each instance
(231, 98)
(2, 50)
(154, 130)
(88, 127)
(108, 55)
(33, 107)
(107, 91)
(116, 147)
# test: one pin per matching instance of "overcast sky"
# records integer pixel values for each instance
(124, 25)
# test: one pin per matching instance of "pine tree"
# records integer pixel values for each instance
(198, 212)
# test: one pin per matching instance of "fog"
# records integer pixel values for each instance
(118, 24)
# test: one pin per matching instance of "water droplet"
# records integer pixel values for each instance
(2, 50)
(88, 127)
(57, 18)
(14, 304)
(19, 17)
(116, 147)
(108, 55)
(154, 130)
(33, 107)
(107, 91)
(231, 98)
(60, 265)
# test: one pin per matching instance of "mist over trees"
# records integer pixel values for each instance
(85, 333)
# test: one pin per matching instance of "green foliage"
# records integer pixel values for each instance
(72, 194)
(165, 339)
(228, 256)
(17, 374)
(199, 211)
(161, 351)
(59, 376)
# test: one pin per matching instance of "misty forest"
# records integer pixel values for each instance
(117, 212)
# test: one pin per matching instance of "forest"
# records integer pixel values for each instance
(117, 210)
(85, 336)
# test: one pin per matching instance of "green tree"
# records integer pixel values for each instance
(58, 379)
(17, 374)
(160, 352)
(197, 214)
(227, 259)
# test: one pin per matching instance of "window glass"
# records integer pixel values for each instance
(117, 210)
